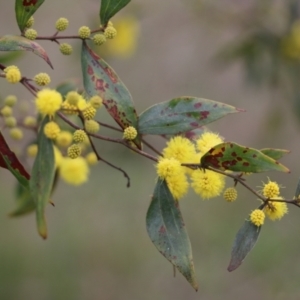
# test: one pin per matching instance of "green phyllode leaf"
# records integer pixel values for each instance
(25, 203)
(24, 9)
(244, 242)
(182, 114)
(42, 177)
(109, 8)
(17, 43)
(297, 193)
(100, 79)
(274, 153)
(167, 232)
(231, 156)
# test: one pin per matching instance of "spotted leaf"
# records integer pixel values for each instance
(231, 156)
(245, 240)
(17, 43)
(24, 9)
(275, 153)
(100, 79)
(167, 232)
(182, 114)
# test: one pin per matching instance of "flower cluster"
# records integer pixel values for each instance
(205, 183)
(274, 208)
(72, 149)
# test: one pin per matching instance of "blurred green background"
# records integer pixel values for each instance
(98, 246)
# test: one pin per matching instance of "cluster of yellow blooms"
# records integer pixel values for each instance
(274, 210)
(73, 168)
(205, 183)
(209, 184)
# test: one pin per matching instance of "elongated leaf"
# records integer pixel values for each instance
(19, 43)
(42, 178)
(274, 153)
(297, 193)
(25, 203)
(192, 135)
(9, 160)
(24, 9)
(167, 231)
(231, 156)
(243, 244)
(21, 178)
(182, 114)
(10, 57)
(100, 79)
(109, 8)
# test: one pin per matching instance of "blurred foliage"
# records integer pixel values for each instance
(268, 45)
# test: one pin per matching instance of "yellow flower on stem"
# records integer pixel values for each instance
(276, 210)
(12, 74)
(181, 149)
(271, 189)
(257, 217)
(207, 184)
(74, 171)
(48, 102)
(171, 170)
(207, 140)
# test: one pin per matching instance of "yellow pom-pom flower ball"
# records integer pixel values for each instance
(31, 34)
(84, 32)
(64, 139)
(207, 184)
(42, 79)
(65, 49)
(257, 217)
(62, 24)
(271, 189)
(48, 102)
(91, 158)
(230, 194)
(74, 171)
(275, 210)
(12, 74)
(51, 130)
(74, 151)
(129, 133)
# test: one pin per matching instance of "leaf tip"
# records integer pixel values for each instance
(232, 267)
(240, 109)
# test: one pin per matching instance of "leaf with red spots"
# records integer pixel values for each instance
(182, 114)
(231, 156)
(192, 135)
(24, 9)
(245, 240)
(167, 232)
(109, 8)
(100, 79)
(9, 160)
(275, 153)
(19, 43)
